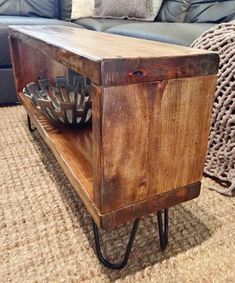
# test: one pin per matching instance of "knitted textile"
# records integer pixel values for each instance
(220, 160)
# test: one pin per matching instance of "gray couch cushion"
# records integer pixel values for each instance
(7, 87)
(211, 11)
(175, 33)
(65, 10)
(5, 60)
(173, 11)
(41, 8)
(101, 24)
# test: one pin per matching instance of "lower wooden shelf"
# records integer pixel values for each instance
(72, 149)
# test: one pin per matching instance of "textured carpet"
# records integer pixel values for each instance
(46, 233)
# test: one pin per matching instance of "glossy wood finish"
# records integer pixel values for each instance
(154, 138)
(33, 65)
(73, 151)
(109, 59)
(151, 108)
(151, 205)
(74, 147)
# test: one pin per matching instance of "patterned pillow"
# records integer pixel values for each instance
(145, 10)
(82, 9)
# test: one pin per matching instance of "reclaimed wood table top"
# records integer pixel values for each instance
(98, 46)
(109, 59)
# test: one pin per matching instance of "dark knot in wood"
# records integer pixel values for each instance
(138, 74)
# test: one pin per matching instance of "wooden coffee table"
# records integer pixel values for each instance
(151, 112)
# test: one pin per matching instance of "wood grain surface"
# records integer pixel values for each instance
(129, 213)
(151, 112)
(109, 59)
(73, 151)
(154, 138)
(31, 64)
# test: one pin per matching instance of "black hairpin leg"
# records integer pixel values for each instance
(163, 228)
(29, 124)
(102, 259)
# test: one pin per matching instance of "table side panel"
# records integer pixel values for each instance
(29, 65)
(84, 66)
(154, 138)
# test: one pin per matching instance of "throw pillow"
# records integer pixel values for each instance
(82, 9)
(145, 10)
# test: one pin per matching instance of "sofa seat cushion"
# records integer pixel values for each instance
(174, 33)
(5, 21)
(101, 24)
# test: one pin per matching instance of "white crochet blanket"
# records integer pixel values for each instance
(220, 160)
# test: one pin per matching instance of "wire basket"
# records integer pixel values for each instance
(64, 103)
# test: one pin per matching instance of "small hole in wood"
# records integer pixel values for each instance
(139, 73)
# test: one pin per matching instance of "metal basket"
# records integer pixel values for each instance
(64, 103)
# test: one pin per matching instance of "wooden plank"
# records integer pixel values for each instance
(125, 71)
(73, 151)
(97, 142)
(152, 205)
(29, 65)
(77, 63)
(109, 59)
(154, 138)
(97, 46)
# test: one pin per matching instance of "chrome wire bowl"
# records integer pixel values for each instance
(64, 103)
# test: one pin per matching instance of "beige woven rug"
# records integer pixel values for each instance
(46, 233)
